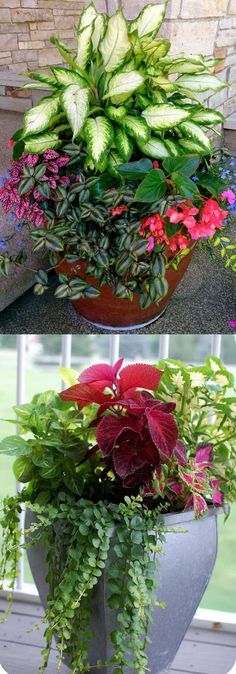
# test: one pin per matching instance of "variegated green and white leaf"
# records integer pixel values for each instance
(149, 19)
(43, 78)
(116, 114)
(99, 28)
(65, 76)
(207, 117)
(155, 50)
(48, 141)
(123, 144)
(202, 82)
(163, 82)
(84, 46)
(190, 147)
(124, 84)
(87, 17)
(113, 162)
(154, 148)
(136, 128)
(75, 101)
(38, 118)
(193, 132)
(99, 135)
(172, 147)
(115, 45)
(164, 116)
(186, 66)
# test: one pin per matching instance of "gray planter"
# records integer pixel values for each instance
(183, 575)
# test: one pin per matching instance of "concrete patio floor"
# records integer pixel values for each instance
(204, 302)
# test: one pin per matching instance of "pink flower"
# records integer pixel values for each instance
(119, 210)
(156, 164)
(151, 244)
(232, 324)
(230, 196)
(10, 143)
(211, 219)
(181, 213)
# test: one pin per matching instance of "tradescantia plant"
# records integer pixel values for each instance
(122, 94)
(100, 464)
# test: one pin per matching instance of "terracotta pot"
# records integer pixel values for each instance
(108, 311)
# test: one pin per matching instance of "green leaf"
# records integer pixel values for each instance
(123, 144)
(154, 148)
(149, 19)
(53, 242)
(155, 49)
(43, 78)
(91, 292)
(76, 104)
(65, 76)
(192, 131)
(116, 114)
(114, 162)
(39, 144)
(184, 165)
(74, 483)
(207, 117)
(202, 82)
(99, 135)
(38, 118)
(26, 185)
(23, 469)
(186, 187)
(212, 184)
(191, 147)
(18, 150)
(87, 17)
(123, 84)
(136, 128)
(14, 445)
(135, 169)
(152, 188)
(136, 537)
(164, 116)
(84, 46)
(68, 375)
(115, 45)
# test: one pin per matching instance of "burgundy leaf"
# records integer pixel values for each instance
(143, 476)
(83, 394)
(128, 458)
(138, 376)
(164, 431)
(204, 456)
(180, 453)
(110, 428)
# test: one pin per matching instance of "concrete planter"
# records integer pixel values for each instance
(183, 574)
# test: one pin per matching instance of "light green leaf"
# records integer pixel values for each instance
(116, 114)
(202, 82)
(149, 19)
(84, 46)
(76, 104)
(115, 160)
(38, 145)
(164, 116)
(99, 28)
(154, 148)
(68, 375)
(99, 135)
(207, 117)
(43, 78)
(14, 445)
(65, 76)
(115, 45)
(191, 147)
(136, 127)
(87, 17)
(38, 118)
(124, 83)
(186, 66)
(193, 131)
(155, 49)
(123, 144)
(172, 147)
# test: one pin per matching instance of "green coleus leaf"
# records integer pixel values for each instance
(184, 165)
(201, 82)
(99, 28)
(99, 135)
(154, 148)
(14, 445)
(149, 19)
(115, 45)
(84, 46)
(136, 128)
(193, 131)
(152, 188)
(23, 469)
(123, 84)
(135, 169)
(75, 101)
(38, 145)
(207, 117)
(185, 186)
(164, 116)
(116, 114)
(87, 17)
(65, 76)
(123, 144)
(38, 118)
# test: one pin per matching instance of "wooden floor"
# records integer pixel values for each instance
(204, 651)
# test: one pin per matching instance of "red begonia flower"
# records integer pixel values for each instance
(119, 210)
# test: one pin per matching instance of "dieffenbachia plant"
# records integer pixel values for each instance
(121, 94)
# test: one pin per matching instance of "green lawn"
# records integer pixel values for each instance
(221, 593)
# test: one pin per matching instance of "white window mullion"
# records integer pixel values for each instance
(20, 398)
(66, 347)
(216, 343)
(114, 342)
(164, 346)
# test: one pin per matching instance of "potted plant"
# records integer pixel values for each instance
(113, 172)
(124, 474)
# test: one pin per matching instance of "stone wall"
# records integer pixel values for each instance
(207, 26)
